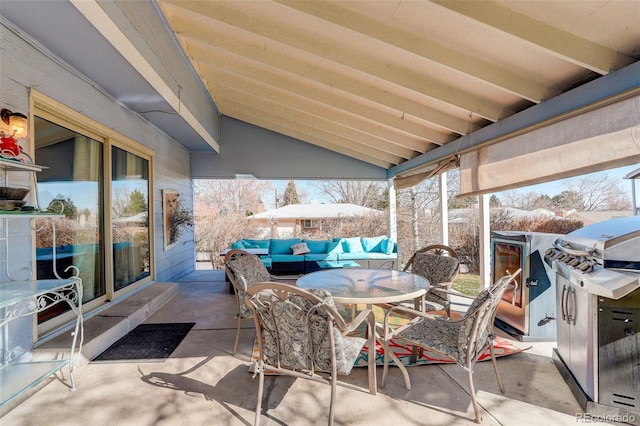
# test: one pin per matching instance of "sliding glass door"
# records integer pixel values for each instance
(72, 183)
(103, 189)
(130, 217)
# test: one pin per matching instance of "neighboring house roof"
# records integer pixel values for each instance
(316, 211)
(137, 218)
(593, 217)
(461, 215)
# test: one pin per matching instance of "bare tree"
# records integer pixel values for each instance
(222, 207)
(232, 195)
(359, 192)
(521, 200)
(599, 192)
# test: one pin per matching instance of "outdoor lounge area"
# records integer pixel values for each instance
(301, 256)
(201, 383)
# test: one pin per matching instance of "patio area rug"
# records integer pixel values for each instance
(146, 342)
(502, 347)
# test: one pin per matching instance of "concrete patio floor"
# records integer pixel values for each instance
(203, 384)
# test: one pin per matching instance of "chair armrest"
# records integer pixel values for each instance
(283, 280)
(454, 293)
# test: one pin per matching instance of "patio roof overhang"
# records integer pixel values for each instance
(349, 90)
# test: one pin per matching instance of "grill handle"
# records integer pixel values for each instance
(571, 317)
(572, 251)
(563, 303)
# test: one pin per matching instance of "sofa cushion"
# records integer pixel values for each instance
(353, 256)
(375, 255)
(388, 246)
(317, 246)
(314, 257)
(266, 261)
(282, 246)
(300, 248)
(373, 244)
(291, 258)
(353, 245)
(335, 247)
(256, 243)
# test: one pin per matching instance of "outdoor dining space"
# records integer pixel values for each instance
(202, 382)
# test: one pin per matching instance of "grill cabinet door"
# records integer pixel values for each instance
(619, 352)
(576, 332)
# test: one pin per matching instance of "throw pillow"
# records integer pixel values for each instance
(388, 245)
(238, 245)
(335, 247)
(353, 245)
(373, 244)
(317, 246)
(300, 248)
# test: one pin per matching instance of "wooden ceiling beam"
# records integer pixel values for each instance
(554, 41)
(525, 87)
(271, 28)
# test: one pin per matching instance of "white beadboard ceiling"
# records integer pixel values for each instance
(386, 81)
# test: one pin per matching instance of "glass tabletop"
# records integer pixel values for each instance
(366, 286)
(12, 292)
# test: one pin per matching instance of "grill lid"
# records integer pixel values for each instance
(615, 241)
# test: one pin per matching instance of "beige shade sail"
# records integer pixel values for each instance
(597, 139)
(409, 180)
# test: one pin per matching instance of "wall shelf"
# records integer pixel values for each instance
(26, 298)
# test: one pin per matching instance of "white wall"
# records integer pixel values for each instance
(26, 65)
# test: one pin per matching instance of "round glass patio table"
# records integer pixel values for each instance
(366, 286)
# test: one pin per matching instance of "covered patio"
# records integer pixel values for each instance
(388, 91)
(203, 384)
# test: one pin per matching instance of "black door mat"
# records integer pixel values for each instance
(146, 342)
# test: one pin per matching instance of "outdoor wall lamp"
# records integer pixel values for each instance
(13, 126)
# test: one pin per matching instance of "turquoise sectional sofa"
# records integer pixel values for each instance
(301, 256)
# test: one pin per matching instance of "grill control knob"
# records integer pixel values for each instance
(585, 266)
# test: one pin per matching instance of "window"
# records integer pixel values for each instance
(310, 223)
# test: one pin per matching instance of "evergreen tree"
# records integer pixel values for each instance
(137, 202)
(290, 195)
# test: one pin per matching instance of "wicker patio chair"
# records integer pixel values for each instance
(440, 265)
(244, 270)
(301, 334)
(464, 340)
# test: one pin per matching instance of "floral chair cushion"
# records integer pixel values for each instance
(437, 269)
(247, 270)
(295, 332)
(440, 271)
(453, 337)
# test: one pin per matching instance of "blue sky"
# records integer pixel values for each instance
(549, 188)
(556, 187)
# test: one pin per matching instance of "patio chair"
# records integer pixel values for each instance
(244, 270)
(440, 265)
(300, 333)
(464, 340)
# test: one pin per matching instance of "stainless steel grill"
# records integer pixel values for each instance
(598, 302)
